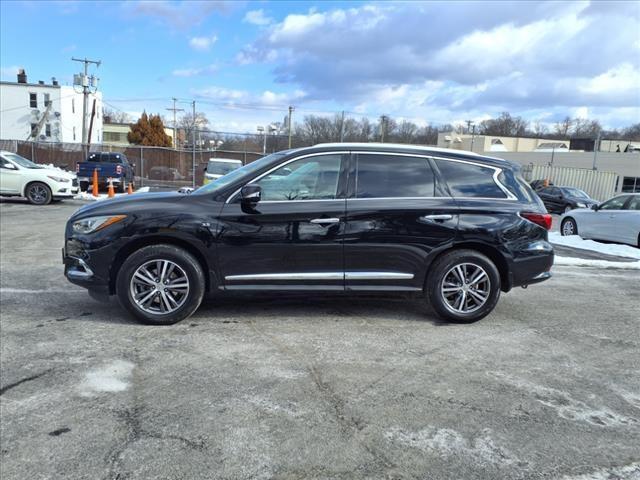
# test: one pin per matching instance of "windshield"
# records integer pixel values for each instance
(239, 173)
(575, 192)
(222, 167)
(21, 161)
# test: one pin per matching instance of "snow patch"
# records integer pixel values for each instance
(576, 241)
(447, 442)
(88, 196)
(586, 262)
(110, 378)
(629, 472)
(566, 406)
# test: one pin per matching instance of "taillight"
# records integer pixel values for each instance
(542, 219)
(119, 169)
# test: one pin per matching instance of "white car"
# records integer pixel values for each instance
(616, 220)
(20, 177)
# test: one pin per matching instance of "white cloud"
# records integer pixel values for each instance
(477, 59)
(194, 72)
(265, 98)
(203, 43)
(257, 17)
(179, 14)
(9, 73)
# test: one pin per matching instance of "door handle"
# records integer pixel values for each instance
(324, 221)
(436, 218)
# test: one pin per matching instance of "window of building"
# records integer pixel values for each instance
(47, 99)
(311, 178)
(393, 176)
(467, 180)
(631, 184)
(33, 100)
(32, 129)
(47, 130)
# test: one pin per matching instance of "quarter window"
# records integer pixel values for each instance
(467, 180)
(634, 203)
(386, 176)
(311, 178)
(33, 100)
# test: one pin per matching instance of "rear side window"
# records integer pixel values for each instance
(634, 203)
(467, 180)
(386, 176)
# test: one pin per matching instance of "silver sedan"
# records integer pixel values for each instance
(616, 220)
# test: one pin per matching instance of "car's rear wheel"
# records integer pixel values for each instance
(160, 284)
(568, 227)
(463, 286)
(38, 193)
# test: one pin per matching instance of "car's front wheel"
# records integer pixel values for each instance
(463, 286)
(569, 227)
(160, 284)
(38, 193)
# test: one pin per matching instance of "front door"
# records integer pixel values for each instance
(397, 214)
(10, 177)
(293, 238)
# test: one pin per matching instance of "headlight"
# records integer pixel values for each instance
(581, 205)
(58, 179)
(93, 224)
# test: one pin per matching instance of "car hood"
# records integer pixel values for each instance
(131, 204)
(54, 172)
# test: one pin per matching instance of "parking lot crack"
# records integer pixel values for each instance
(6, 388)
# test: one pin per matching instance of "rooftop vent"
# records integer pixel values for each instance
(54, 82)
(40, 82)
(22, 77)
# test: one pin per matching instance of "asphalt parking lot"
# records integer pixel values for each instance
(548, 386)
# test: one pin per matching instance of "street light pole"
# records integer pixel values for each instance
(291, 109)
(595, 151)
(85, 92)
(193, 141)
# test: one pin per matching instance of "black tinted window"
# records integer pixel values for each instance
(384, 176)
(466, 180)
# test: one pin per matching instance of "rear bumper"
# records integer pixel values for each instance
(532, 264)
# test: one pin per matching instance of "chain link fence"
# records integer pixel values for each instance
(153, 166)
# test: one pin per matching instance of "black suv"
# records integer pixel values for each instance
(453, 226)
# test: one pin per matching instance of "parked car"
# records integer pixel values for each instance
(457, 228)
(110, 165)
(41, 185)
(217, 167)
(616, 220)
(564, 199)
(540, 184)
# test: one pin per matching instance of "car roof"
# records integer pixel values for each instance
(405, 148)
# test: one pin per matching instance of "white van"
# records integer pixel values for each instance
(218, 167)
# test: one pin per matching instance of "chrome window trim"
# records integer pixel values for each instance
(280, 165)
(496, 172)
(322, 276)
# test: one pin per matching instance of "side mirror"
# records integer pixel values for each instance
(251, 194)
(595, 207)
(9, 166)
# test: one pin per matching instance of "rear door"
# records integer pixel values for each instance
(397, 214)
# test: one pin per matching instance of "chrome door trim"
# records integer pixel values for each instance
(322, 221)
(377, 276)
(322, 276)
(255, 179)
(435, 218)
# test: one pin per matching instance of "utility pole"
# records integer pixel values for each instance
(342, 127)
(193, 140)
(469, 123)
(383, 127)
(291, 109)
(175, 125)
(473, 136)
(85, 93)
(596, 145)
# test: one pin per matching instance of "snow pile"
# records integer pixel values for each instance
(586, 262)
(574, 241)
(88, 196)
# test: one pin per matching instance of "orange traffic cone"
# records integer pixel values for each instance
(129, 188)
(111, 193)
(95, 182)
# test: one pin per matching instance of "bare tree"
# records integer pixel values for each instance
(540, 129)
(504, 125)
(563, 127)
(113, 116)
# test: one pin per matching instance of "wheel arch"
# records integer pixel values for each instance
(31, 182)
(495, 255)
(142, 242)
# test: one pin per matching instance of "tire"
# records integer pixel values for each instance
(567, 209)
(442, 275)
(38, 193)
(568, 227)
(154, 310)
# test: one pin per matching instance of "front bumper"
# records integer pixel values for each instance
(88, 267)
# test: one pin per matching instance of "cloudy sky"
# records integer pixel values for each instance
(430, 62)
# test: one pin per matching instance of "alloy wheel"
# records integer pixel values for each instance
(465, 288)
(568, 228)
(38, 194)
(159, 286)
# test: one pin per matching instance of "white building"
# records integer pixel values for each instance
(46, 112)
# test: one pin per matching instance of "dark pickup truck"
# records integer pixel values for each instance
(110, 165)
